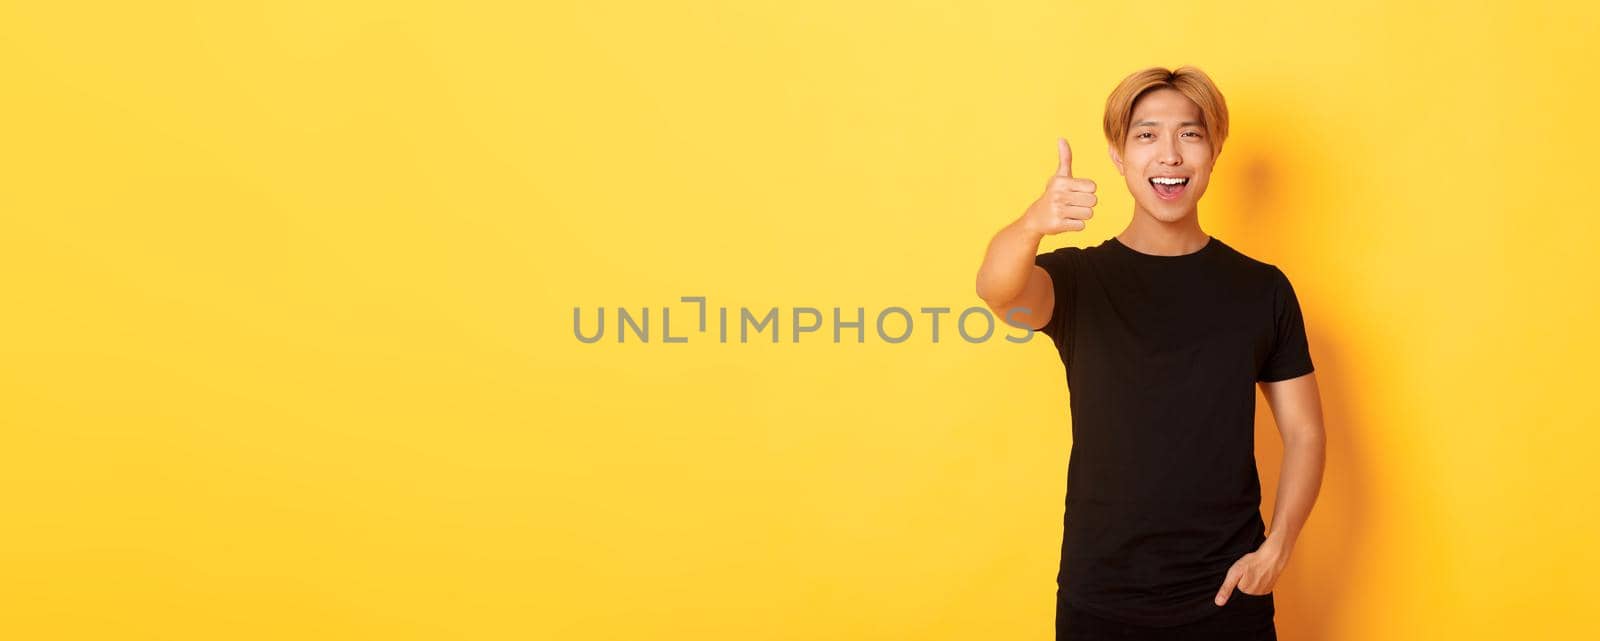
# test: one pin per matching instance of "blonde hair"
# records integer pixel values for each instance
(1190, 81)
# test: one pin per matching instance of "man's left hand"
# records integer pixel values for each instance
(1255, 573)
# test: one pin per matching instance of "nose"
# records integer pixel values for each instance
(1169, 153)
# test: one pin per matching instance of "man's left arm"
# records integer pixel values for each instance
(1297, 409)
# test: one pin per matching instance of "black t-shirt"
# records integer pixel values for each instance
(1162, 354)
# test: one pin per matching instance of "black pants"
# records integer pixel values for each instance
(1245, 617)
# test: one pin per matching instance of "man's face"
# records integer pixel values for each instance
(1166, 138)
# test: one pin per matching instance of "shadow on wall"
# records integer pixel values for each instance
(1315, 589)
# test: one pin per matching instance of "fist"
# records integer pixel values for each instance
(1067, 204)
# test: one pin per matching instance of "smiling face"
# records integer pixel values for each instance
(1167, 157)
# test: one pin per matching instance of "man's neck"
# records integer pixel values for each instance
(1149, 235)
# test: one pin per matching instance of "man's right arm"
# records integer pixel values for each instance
(1009, 279)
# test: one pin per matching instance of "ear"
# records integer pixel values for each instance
(1116, 158)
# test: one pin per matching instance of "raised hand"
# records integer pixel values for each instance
(1067, 204)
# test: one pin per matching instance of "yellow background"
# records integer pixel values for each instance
(288, 292)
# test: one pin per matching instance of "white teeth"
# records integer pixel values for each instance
(1170, 181)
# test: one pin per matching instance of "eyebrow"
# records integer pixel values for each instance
(1142, 123)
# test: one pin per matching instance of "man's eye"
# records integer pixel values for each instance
(1196, 133)
(1142, 135)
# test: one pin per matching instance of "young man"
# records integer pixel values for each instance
(1164, 331)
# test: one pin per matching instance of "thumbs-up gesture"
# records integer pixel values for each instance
(1067, 204)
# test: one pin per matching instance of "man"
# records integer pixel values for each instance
(1164, 331)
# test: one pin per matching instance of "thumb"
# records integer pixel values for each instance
(1065, 168)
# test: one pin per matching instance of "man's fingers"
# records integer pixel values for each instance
(1069, 183)
(1079, 198)
(1065, 150)
(1228, 585)
(1068, 202)
(1076, 212)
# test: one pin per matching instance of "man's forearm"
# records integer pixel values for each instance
(1007, 263)
(1298, 484)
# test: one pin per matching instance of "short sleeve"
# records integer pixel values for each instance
(1061, 265)
(1290, 355)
